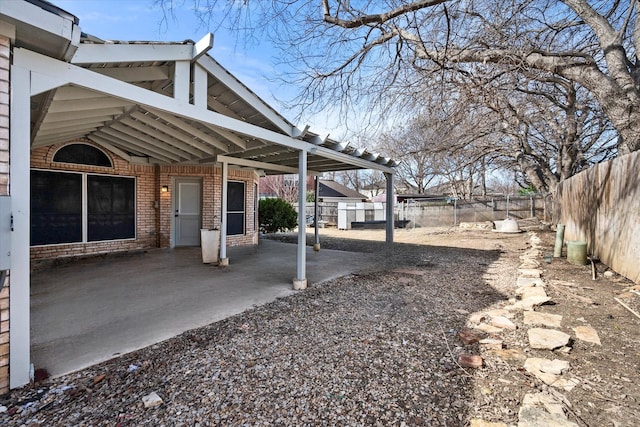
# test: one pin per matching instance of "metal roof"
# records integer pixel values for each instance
(142, 133)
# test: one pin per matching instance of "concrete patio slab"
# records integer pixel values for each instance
(88, 311)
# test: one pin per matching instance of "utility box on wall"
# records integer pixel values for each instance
(5, 232)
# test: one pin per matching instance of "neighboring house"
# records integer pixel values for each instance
(333, 192)
(117, 146)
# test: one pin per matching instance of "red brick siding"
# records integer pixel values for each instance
(4, 191)
(42, 158)
(153, 224)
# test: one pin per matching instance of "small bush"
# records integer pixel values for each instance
(276, 215)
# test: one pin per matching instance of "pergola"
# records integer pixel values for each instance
(150, 103)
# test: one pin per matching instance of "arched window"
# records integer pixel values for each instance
(82, 154)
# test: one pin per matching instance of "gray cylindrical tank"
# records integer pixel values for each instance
(577, 252)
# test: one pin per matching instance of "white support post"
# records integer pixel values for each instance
(300, 282)
(182, 81)
(223, 221)
(19, 300)
(316, 190)
(390, 200)
(200, 86)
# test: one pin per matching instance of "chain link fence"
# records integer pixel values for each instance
(438, 212)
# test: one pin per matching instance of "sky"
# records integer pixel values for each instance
(141, 20)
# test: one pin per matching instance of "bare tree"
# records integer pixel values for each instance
(281, 186)
(377, 54)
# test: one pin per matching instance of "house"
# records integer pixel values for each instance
(110, 146)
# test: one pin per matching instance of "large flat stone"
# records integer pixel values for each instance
(529, 272)
(529, 281)
(537, 416)
(525, 293)
(528, 303)
(588, 334)
(503, 323)
(555, 366)
(536, 318)
(547, 339)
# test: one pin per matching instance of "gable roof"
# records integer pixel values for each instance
(330, 188)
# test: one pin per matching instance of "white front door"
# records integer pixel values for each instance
(187, 211)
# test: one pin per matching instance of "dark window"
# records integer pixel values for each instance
(57, 202)
(82, 154)
(235, 208)
(56, 207)
(110, 208)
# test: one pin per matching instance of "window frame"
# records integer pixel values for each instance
(243, 212)
(85, 208)
(53, 158)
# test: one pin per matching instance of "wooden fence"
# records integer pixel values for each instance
(601, 206)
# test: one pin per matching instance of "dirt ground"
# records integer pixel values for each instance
(608, 393)
(379, 347)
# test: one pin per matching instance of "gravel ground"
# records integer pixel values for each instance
(373, 348)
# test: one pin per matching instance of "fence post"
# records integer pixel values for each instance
(455, 211)
(531, 205)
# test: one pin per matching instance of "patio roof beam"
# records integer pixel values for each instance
(241, 143)
(217, 71)
(87, 104)
(145, 130)
(149, 139)
(135, 74)
(87, 114)
(189, 129)
(62, 124)
(145, 147)
(109, 146)
(260, 165)
(131, 147)
(62, 136)
(110, 53)
(186, 138)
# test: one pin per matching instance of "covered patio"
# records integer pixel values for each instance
(87, 311)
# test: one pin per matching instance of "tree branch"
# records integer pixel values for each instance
(376, 18)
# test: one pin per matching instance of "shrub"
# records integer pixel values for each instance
(276, 215)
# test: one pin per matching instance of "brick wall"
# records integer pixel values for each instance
(211, 200)
(146, 213)
(4, 190)
(154, 209)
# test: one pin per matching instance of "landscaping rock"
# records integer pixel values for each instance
(530, 272)
(470, 336)
(547, 339)
(152, 400)
(588, 334)
(470, 361)
(529, 282)
(545, 319)
(503, 323)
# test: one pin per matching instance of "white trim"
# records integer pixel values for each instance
(110, 53)
(260, 165)
(227, 79)
(19, 173)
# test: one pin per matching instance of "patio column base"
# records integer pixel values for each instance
(223, 262)
(316, 247)
(299, 284)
